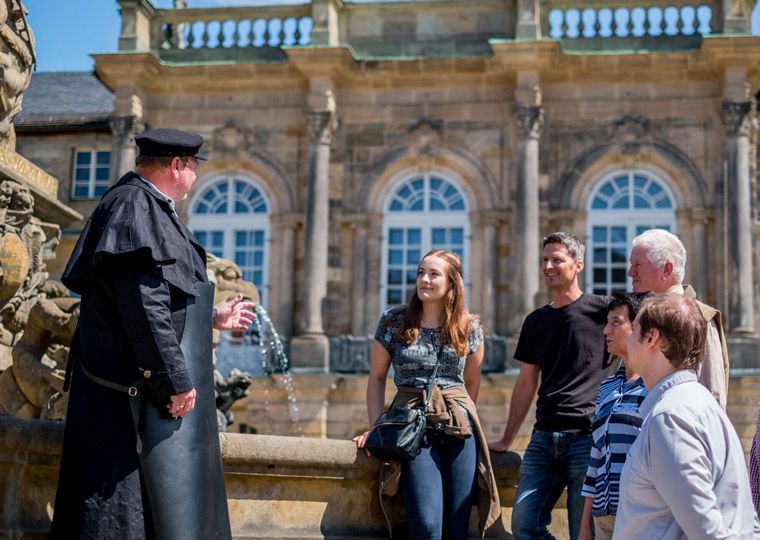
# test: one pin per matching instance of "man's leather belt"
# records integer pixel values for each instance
(132, 391)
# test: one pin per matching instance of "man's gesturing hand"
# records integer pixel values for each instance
(234, 314)
(181, 404)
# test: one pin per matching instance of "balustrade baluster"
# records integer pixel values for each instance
(281, 34)
(581, 26)
(695, 22)
(236, 34)
(220, 36)
(267, 35)
(190, 35)
(613, 23)
(679, 21)
(297, 33)
(629, 23)
(597, 23)
(205, 37)
(563, 26)
(663, 23)
(647, 22)
(252, 34)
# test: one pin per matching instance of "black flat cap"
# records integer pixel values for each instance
(169, 142)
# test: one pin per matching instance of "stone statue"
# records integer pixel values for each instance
(16, 63)
(228, 279)
(32, 387)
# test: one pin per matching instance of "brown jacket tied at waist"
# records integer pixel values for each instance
(445, 410)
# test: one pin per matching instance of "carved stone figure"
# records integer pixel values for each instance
(33, 386)
(16, 62)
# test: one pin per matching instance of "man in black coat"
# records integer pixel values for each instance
(137, 268)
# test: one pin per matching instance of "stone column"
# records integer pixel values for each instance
(310, 348)
(124, 129)
(359, 280)
(527, 232)
(283, 248)
(488, 278)
(739, 120)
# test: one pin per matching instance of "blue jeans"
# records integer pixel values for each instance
(438, 487)
(552, 461)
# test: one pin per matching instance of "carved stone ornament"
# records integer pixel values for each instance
(125, 128)
(739, 118)
(324, 122)
(16, 62)
(229, 139)
(530, 120)
(425, 137)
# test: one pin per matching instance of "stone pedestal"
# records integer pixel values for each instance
(310, 350)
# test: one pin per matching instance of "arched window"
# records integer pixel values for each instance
(423, 212)
(622, 205)
(230, 218)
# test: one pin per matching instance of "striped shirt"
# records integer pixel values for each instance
(754, 468)
(616, 424)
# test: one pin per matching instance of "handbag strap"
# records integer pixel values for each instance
(434, 374)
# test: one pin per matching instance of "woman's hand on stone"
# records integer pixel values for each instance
(360, 440)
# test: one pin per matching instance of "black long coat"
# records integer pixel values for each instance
(135, 266)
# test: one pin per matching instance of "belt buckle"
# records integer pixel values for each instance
(132, 391)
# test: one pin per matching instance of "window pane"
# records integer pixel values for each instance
(395, 256)
(439, 237)
(396, 236)
(394, 297)
(618, 275)
(103, 158)
(600, 255)
(600, 275)
(99, 190)
(101, 173)
(617, 235)
(411, 276)
(600, 234)
(80, 192)
(82, 174)
(618, 255)
(395, 277)
(413, 256)
(413, 236)
(640, 202)
(457, 236)
(84, 158)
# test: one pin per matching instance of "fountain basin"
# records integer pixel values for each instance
(277, 487)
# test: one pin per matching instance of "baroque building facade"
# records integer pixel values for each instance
(347, 139)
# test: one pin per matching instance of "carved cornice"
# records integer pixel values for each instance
(739, 118)
(530, 120)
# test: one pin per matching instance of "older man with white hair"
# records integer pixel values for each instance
(658, 264)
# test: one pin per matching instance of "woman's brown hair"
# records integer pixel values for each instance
(457, 321)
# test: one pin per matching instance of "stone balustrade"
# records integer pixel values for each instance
(379, 29)
(230, 28)
(277, 487)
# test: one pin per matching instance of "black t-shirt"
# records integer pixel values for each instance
(568, 344)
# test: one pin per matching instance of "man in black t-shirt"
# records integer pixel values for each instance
(561, 346)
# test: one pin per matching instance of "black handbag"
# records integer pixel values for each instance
(398, 433)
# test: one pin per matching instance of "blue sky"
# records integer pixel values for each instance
(68, 31)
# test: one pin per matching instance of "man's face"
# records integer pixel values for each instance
(186, 176)
(645, 275)
(636, 350)
(559, 268)
(617, 330)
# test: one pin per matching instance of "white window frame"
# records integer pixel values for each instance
(91, 181)
(230, 223)
(426, 220)
(630, 218)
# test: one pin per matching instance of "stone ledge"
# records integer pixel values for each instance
(277, 487)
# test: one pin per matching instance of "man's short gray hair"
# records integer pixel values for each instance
(574, 246)
(662, 246)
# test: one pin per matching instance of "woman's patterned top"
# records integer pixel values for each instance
(413, 364)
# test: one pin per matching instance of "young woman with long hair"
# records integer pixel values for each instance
(438, 486)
